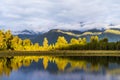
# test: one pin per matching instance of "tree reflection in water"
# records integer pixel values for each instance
(63, 64)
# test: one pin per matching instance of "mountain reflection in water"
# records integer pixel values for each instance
(59, 68)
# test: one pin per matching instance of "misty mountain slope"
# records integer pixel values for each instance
(52, 36)
(112, 34)
(111, 37)
(27, 36)
(113, 31)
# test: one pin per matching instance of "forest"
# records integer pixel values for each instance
(10, 42)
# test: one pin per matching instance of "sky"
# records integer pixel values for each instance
(43, 15)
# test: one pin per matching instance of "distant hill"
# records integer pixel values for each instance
(113, 34)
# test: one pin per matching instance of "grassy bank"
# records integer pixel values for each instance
(59, 53)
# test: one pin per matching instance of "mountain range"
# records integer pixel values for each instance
(113, 34)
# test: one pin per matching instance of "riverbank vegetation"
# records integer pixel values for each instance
(10, 42)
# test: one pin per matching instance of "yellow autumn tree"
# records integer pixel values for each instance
(16, 43)
(27, 44)
(36, 47)
(94, 39)
(45, 44)
(3, 44)
(61, 43)
(8, 38)
(74, 41)
(83, 41)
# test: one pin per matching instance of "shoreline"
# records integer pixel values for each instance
(61, 53)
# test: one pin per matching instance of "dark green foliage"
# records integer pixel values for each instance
(96, 44)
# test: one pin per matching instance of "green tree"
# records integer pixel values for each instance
(118, 45)
(104, 44)
(94, 43)
(104, 40)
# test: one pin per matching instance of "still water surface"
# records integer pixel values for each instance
(59, 68)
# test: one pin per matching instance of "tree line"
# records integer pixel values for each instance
(10, 42)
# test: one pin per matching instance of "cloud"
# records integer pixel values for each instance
(43, 15)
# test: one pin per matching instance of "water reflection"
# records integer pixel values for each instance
(58, 68)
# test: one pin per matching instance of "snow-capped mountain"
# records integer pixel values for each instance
(25, 32)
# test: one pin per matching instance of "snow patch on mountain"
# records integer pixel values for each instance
(26, 32)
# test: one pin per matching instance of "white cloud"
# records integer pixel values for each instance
(66, 14)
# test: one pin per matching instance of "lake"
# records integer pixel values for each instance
(59, 68)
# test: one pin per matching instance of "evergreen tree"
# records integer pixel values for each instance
(94, 43)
